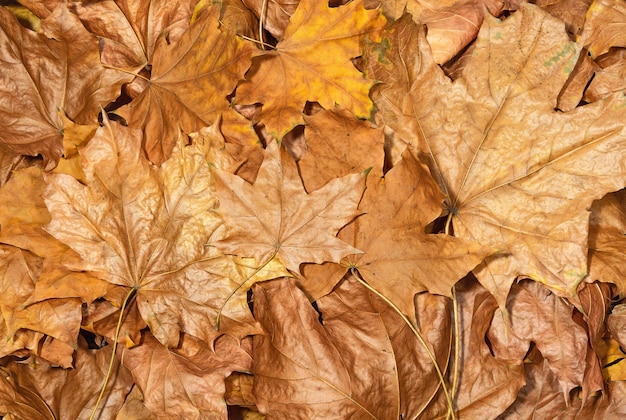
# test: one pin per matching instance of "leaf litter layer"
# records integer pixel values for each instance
(376, 209)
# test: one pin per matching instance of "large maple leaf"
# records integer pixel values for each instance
(187, 89)
(146, 229)
(42, 73)
(276, 217)
(312, 62)
(517, 175)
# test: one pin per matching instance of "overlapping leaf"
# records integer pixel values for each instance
(146, 229)
(56, 69)
(518, 175)
(276, 217)
(312, 62)
(189, 82)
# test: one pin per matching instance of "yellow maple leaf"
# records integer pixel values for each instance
(312, 62)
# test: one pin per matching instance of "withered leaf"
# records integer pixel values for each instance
(56, 69)
(63, 393)
(312, 63)
(399, 259)
(129, 30)
(276, 14)
(189, 82)
(146, 229)
(604, 26)
(186, 382)
(276, 217)
(607, 240)
(539, 316)
(518, 176)
(303, 370)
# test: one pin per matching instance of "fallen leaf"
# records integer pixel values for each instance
(57, 393)
(276, 217)
(303, 372)
(71, 80)
(187, 381)
(146, 229)
(187, 89)
(517, 175)
(130, 30)
(487, 385)
(609, 78)
(607, 240)
(276, 14)
(572, 12)
(307, 66)
(539, 316)
(604, 26)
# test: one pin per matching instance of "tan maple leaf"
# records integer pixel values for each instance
(517, 175)
(188, 85)
(186, 382)
(146, 228)
(312, 62)
(276, 217)
(56, 69)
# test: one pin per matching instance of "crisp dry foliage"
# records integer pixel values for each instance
(366, 209)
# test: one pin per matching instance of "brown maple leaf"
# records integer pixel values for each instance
(607, 241)
(517, 175)
(344, 368)
(186, 382)
(604, 26)
(188, 85)
(312, 63)
(129, 31)
(146, 228)
(39, 391)
(276, 217)
(56, 69)
(399, 259)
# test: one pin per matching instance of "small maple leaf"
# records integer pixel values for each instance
(517, 175)
(276, 217)
(189, 82)
(312, 63)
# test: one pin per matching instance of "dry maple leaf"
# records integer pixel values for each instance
(276, 217)
(186, 382)
(539, 316)
(607, 241)
(187, 89)
(487, 385)
(518, 175)
(146, 229)
(399, 259)
(276, 14)
(56, 69)
(304, 370)
(605, 26)
(312, 63)
(55, 393)
(130, 30)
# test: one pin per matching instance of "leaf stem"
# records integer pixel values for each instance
(261, 17)
(130, 293)
(419, 338)
(457, 344)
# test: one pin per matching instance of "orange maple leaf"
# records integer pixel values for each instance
(312, 63)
